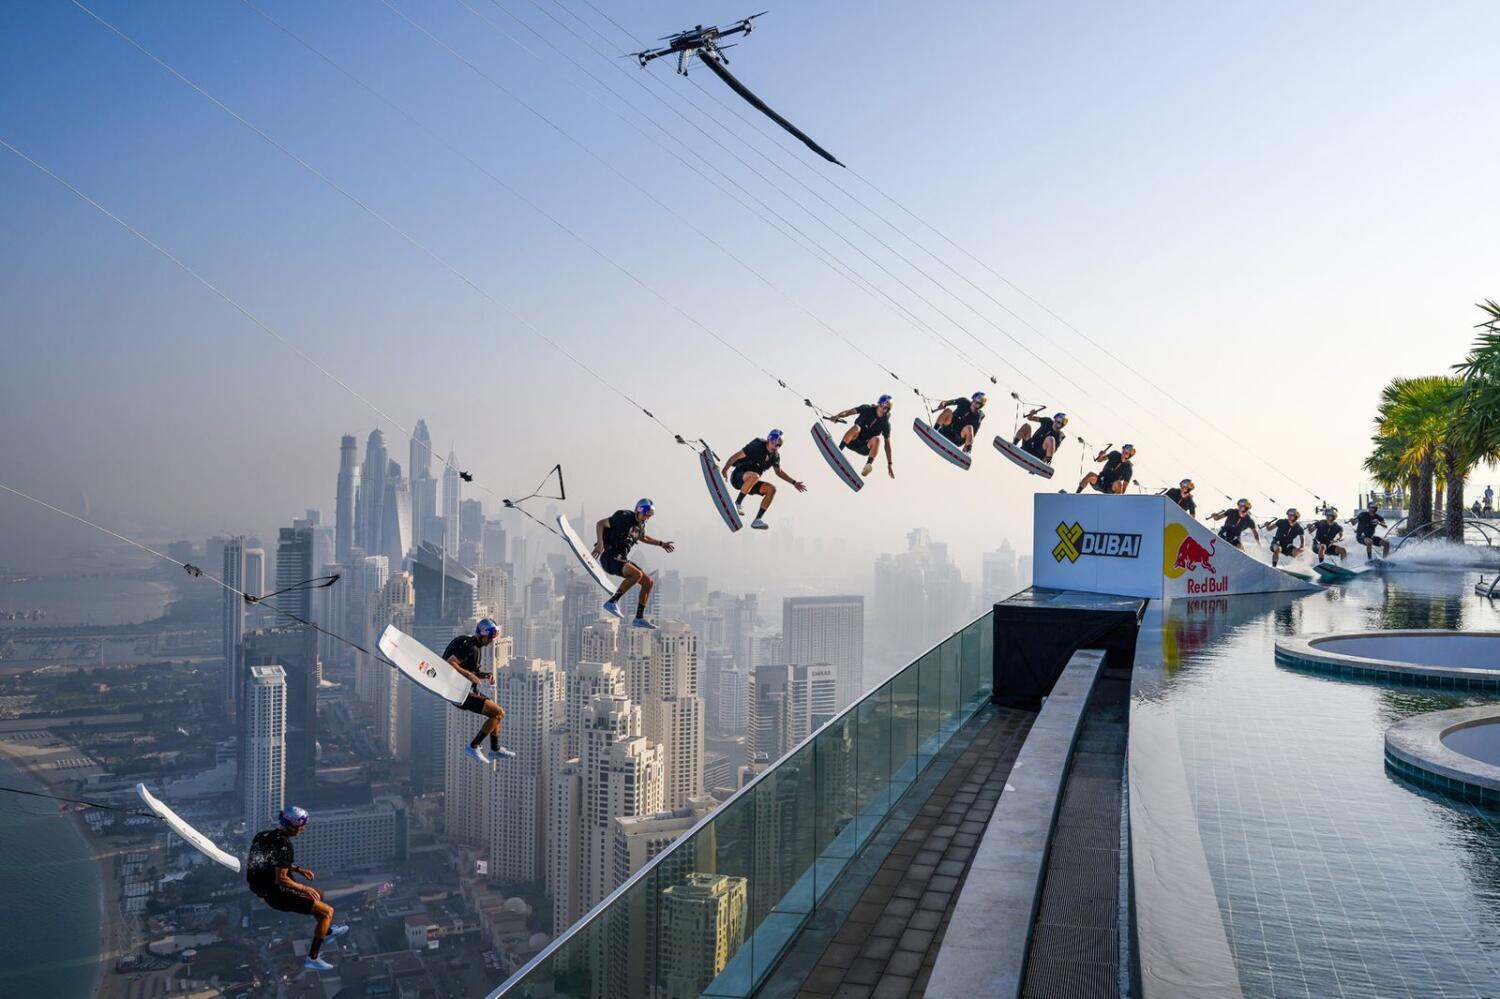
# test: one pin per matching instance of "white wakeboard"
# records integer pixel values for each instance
(423, 666)
(584, 554)
(1333, 573)
(1025, 459)
(718, 489)
(195, 839)
(942, 445)
(1295, 573)
(829, 449)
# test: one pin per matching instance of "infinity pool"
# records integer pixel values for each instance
(1272, 852)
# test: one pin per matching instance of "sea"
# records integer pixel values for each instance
(50, 932)
(82, 600)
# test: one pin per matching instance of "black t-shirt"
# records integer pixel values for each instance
(871, 423)
(464, 648)
(270, 851)
(1365, 521)
(1116, 469)
(1186, 502)
(965, 413)
(758, 457)
(1326, 532)
(1234, 524)
(1286, 533)
(621, 533)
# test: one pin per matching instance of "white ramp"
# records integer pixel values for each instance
(1141, 546)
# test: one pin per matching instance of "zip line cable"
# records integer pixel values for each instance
(529, 202)
(231, 302)
(197, 573)
(635, 185)
(355, 200)
(76, 801)
(902, 310)
(715, 141)
(833, 181)
(816, 249)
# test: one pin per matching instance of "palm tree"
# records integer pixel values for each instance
(1477, 416)
(1414, 417)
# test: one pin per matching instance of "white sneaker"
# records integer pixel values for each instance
(478, 754)
(504, 754)
(316, 964)
(613, 609)
(337, 930)
(760, 525)
(869, 467)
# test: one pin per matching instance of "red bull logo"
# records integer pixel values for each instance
(1191, 555)
(1213, 584)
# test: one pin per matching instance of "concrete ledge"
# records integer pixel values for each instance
(1417, 749)
(985, 947)
(1310, 654)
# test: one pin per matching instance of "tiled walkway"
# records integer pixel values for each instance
(890, 936)
(1075, 943)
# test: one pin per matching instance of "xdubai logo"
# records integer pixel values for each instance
(1074, 543)
(430, 671)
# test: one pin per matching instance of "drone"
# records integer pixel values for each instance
(705, 44)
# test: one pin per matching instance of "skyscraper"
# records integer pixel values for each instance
(294, 564)
(345, 499)
(396, 529)
(233, 625)
(702, 926)
(294, 650)
(564, 849)
(583, 685)
(444, 594)
(672, 714)
(495, 546)
(734, 702)
(580, 608)
(599, 640)
(787, 704)
(827, 630)
(390, 693)
(527, 690)
(622, 775)
(452, 500)
(263, 763)
(368, 512)
(419, 462)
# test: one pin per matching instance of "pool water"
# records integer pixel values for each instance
(1330, 876)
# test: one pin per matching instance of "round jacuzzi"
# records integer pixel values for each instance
(1459, 660)
(1456, 752)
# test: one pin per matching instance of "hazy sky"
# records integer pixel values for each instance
(1267, 209)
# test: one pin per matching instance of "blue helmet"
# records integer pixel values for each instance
(293, 817)
(884, 400)
(774, 437)
(645, 506)
(486, 628)
(978, 398)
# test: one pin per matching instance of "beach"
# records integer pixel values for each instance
(76, 874)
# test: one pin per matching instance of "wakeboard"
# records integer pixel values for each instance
(945, 448)
(829, 449)
(584, 554)
(718, 489)
(1025, 459)
(195, 839)
(423, 666)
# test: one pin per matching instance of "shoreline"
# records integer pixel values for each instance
(117, 935)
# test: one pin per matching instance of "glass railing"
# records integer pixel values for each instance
(711, 915)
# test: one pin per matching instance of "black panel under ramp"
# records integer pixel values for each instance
(1038, 630)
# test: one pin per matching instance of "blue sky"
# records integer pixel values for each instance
(1269, 210)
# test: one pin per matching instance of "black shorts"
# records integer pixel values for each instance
(1034, 446)
(737, 478)
(1284, 544)
(287, 900)
(613, 563)
(1365, 537)
(474, 702)
(860, 445)
(954, 432)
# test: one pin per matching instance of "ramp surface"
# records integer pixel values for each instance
(1141, 546)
